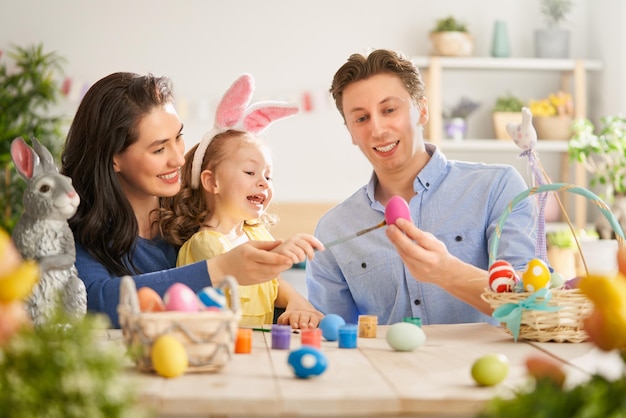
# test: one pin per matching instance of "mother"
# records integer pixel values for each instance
(123, 153)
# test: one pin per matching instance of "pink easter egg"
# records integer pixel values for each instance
(502, 277)
(396, 208)
(180, 297)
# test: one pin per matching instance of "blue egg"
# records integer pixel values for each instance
(212, 297)
(330, 326)
(307, 361)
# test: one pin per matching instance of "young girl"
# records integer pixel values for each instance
(226, 189)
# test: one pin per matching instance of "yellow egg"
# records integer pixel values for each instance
(169, 357)
(10, 258)
(536, 276)
(19, 283)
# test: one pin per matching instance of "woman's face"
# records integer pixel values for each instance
(151, 166)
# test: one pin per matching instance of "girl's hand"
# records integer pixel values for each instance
(300, 319)
(299, 247)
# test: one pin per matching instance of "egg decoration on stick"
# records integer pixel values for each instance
(502, 277)
(396, 208)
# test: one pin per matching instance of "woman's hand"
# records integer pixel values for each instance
(250, 263)
(299, 248)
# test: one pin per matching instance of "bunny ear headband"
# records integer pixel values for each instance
(233, 112)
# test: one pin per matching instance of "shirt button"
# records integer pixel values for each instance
(417, 301)
(458, 238)
(427, 184)
(364, 265)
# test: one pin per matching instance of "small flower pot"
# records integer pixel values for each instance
(553, 127)
(451, 44)
(501, 119)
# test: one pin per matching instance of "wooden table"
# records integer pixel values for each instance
(371, 380)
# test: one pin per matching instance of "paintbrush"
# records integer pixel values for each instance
(396, 208)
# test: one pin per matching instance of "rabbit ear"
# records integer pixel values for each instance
(24, 158)
(234, 102)
(47, 161)
(261, 115)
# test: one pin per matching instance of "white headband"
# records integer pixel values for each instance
(234, 113)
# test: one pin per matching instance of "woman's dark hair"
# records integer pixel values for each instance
(106, 123)
(380, 61)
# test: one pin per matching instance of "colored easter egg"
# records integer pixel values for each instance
(330, 326)
(404, 336)
(180, 297)
(502, 277)
(212, 297)
(149, 300)
(396, 208)
(168, 356)
(536, 276)
(307, 361)
(490, 369)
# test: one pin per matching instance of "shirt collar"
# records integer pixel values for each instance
(424, 180)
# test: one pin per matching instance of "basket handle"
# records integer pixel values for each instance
(128, 294)
(554, 187)
(231, 284)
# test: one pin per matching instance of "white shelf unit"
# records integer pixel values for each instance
(573, 79)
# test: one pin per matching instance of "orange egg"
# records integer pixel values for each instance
(149, 300)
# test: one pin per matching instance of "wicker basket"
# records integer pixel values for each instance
(568, 308)
(208, 336)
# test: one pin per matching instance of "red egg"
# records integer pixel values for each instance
(502, 277)
(396, 208)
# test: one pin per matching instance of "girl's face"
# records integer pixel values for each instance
(241, 184)
(384, 121)
(151, 166)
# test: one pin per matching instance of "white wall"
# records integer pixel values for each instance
(291, 47)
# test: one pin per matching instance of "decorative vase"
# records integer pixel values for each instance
(500, 41)
(552, 43)
(452, 44)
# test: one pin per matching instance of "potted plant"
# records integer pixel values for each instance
(29, 87)
(604, 156)
(553, 41)
(455, 118)
(450, 37)
(553, 115)
(508, 109)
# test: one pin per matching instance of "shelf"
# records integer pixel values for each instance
(573, 78)
(493, 145)
(512, 64)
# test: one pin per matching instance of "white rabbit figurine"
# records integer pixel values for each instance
(43, 234)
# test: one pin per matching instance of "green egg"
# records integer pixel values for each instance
(491, 369)
(404, 336)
